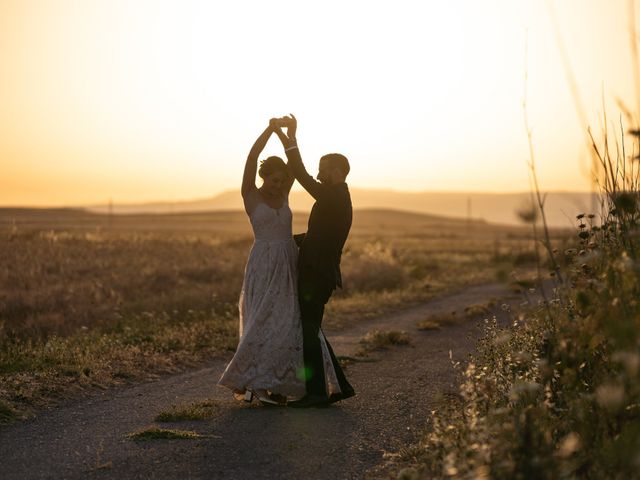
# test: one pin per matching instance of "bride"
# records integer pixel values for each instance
(268, 361)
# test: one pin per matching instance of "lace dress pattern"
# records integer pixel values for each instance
(269, 352)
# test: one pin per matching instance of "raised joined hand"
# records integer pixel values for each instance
(290, 122)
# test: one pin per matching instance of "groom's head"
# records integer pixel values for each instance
(333, 168)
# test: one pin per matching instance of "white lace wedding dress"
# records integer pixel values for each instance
(269, 353)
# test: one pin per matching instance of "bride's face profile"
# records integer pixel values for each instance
(275, 183)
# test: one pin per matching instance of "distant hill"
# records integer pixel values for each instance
(561, 207)
(379, 223)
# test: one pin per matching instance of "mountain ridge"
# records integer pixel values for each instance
(561, 207)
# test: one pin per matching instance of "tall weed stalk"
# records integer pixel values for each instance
(556, 394)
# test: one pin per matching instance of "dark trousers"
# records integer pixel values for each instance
(313, 294)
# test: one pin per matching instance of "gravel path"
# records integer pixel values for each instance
(86, 438)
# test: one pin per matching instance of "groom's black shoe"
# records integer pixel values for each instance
(318, 401)
(336, 397)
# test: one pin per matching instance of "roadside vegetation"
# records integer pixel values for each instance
(556, 394)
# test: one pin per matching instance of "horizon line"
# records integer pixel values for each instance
(230, 190)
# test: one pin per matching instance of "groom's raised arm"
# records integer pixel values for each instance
(310, 184)
(296, 166)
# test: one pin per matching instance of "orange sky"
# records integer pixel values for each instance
(157, 100)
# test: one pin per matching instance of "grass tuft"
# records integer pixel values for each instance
(437, 320)
(429, 324)
(7, 413)
(380, 339)
(155, 433)
(193, 411)
(479, 309)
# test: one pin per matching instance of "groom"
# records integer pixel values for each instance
(319, 259)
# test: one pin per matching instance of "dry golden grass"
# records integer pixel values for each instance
(438, 320)
(63, 282)
(479, 309)
(192, 411)
(429, 325)
(381, 339)
(89, 301)
(155, 433)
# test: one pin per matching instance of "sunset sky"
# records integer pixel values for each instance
(161, 100)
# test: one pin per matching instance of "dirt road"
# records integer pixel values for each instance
(86, 438)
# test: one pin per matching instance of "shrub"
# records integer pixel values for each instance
(557, 395)
(373, 267)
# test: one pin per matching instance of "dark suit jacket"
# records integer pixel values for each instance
(328, 228)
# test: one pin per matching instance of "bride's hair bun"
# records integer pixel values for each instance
(272, 165)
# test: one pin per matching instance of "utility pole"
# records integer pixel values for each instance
(110, 213)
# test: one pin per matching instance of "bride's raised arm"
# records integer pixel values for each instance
(249, 188)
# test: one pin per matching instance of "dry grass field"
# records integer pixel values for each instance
(91, 300)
